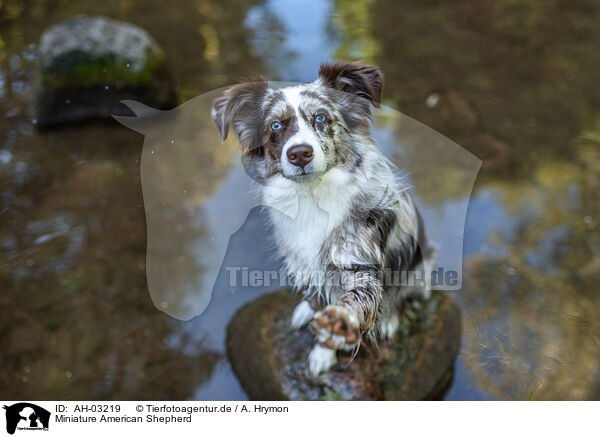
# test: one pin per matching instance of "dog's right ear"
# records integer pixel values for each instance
(354, 78)
(240, 107)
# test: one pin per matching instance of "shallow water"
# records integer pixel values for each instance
(513, 82)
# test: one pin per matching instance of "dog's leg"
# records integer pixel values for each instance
(303, 313)
(340, 326)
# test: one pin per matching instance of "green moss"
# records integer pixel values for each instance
(52, 325)
(77, 69)
(332, 395)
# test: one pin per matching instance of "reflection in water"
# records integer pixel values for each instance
(292, 37)
(77, 322)
(498, 77)
(533, 310)
(513, 81)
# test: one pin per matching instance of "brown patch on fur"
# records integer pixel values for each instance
(277, 138)
(350, 77)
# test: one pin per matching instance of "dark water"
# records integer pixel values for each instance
(514, 82)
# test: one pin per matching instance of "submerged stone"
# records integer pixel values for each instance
(270, 358)
(87, 65)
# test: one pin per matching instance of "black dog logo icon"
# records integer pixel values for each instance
(26, 416)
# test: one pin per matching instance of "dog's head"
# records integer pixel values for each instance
(301, 132)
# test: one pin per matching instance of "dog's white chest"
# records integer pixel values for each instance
(303, 236)
(304, 219)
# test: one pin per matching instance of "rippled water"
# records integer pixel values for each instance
(513, 82)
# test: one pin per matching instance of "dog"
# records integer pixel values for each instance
(341, 216)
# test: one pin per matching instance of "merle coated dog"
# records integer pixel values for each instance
(341, 216)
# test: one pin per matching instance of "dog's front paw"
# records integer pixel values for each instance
(321, 359)
(336, 328)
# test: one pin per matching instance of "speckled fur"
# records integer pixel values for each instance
(343, 219)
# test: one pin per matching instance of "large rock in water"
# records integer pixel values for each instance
(270, 358)
(87, 65)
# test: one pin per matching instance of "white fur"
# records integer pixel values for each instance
(303, 313)
(305, 135)
(321, 359)
(389, 326)
(303, 216)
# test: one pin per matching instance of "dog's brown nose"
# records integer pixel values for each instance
(300, 155)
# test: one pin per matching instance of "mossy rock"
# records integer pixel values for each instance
(270, 359)
(87, 65)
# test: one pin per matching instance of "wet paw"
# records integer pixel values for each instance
(336, 328)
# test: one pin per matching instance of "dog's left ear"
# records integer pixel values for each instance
(351, 77)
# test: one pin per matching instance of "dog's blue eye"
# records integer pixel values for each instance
(320, 118)
(276, 125)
